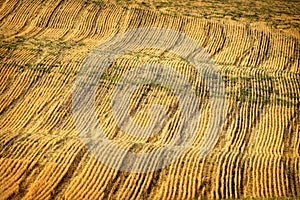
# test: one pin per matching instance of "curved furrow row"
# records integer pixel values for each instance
(28, 29)
(272, 169)
(51, 80)
(57, 20)
(80, 181)
(176, 184)
(196, 177)
(140, 18)
(11, 174)
(260, 36)
(7, 8)
(97, 186)
(226, 187)
(164, 102)
(58, 107)
(10, 71)
(240, 137)
(219, 186)
(8, 165)
(49, 8)
(229, 175)
(267, 184)
(64, 15)
(75, 19)
(261, 87)
(190, 174)
(272, 185)
(267, 145)
(93, 179)
(201, 36)
(53, 172)
(258, 184)
(20, 58)
(7, 138)
(86, 25)
(186, 174)
(173, 23)
(235, 44)
(30, 107)
(132, 185)
(45, 119)
(22, 16)
(233, 132)
(290, 178)
(7, 73)
(109, 26)
(168, 182)
(208, 183)
(27, 80)
(31, 149)
(259, 49)
(247, 181)
(203, 125)
(287, 89)
(174, 194)
(233, 176)
(278, 182)
(285, 48)
(22, 149)
(265, 139)
(217, 38)
(257, 154)
(135, 186)
(283, 181)
(217, 189)
(282, 53)
(40, 23)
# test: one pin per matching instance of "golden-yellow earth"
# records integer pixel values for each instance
(255, 46)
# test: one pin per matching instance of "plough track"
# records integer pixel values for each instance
(43, 44)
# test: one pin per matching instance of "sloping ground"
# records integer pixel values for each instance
(43, 45)
(278, 14)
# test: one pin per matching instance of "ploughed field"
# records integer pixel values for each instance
(43, 47)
